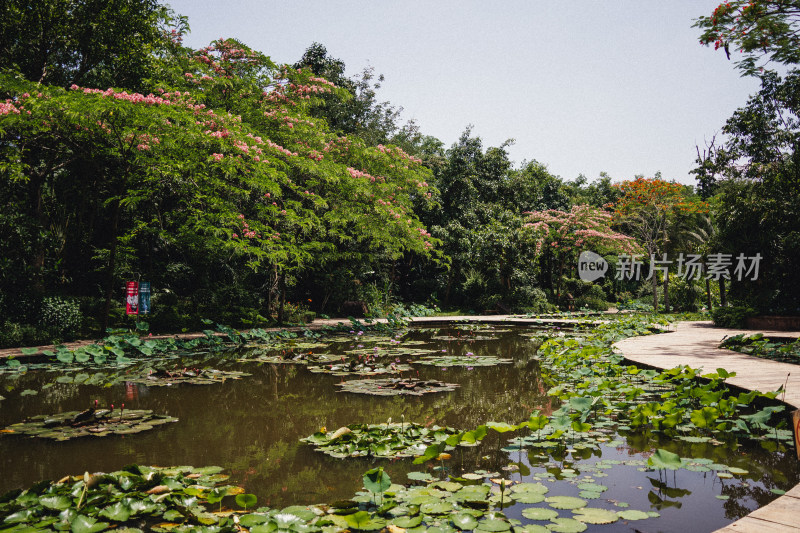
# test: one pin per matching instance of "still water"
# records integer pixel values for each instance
(252, 426)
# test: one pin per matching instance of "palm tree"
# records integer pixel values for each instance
(704, 238)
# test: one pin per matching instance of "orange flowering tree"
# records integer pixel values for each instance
(650, 209)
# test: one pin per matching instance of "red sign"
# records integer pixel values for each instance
(132, 298)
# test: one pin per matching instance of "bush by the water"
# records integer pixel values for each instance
(732, 317)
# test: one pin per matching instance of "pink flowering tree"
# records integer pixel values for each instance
(221, 160)
(560, 236)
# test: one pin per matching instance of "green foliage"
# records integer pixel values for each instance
(732, 317)
(62, 316)
(97, 43)
(379, 440)
(755, 177)
(272, 191)
(784, 350)
(756, 30)
(684, 295)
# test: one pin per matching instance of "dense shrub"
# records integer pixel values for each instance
(732, 317)
(10, 335)
(534, 301)
(62, 317)
(592, 303)
(684, 295)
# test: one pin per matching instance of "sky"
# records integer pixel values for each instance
(582, 86)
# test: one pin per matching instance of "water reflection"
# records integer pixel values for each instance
(252, 428)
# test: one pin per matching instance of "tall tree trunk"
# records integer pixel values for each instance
(709, 303)
(269, 294)
(666, 292)
(655, 294)
(558, 283)
(37, 285)
(723, 301)
(282, 289)
(112, 264)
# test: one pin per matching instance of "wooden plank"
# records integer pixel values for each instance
(794, 493)
(796, 426)
(748, 524)
(782, 511)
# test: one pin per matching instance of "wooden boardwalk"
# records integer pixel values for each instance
(696, 344)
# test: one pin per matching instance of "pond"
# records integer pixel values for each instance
(251, 425)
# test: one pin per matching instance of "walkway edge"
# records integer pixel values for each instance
(696, 344)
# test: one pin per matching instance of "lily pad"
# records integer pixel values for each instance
(92, 422)
(539, 513)
(358, 368)
(396, 386)
(379, 440)
(566, 502)
(494, 525)
(594, 515)
(464, 521)
(592, 487)
(632, 514)
(162, 377)
(464, 360)
(566, 525)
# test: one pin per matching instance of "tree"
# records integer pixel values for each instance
(563, 235)
(265, 188)
(477, 214)
(649, 209)
(759, 29)
(93, 43)
(757, 180)
(598, 193)
(359, 112)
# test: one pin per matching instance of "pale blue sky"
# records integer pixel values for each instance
(583, 86)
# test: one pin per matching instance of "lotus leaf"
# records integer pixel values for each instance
(358, 368)
(376, 480)
(194, 376)
(407, 521)
(664, 459)
(592, 487)
(531, 528)
(527, 497)
(565, 502)
(396, 386)
(364, 521)
(466, 360)
(449, 486)
(539, 513)
(632, 514)
(92, 422)
(379, 440)
(566, 525)
(420, 476)
(464, 521)
(494, 525)
(593, 515)
(537, 488)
